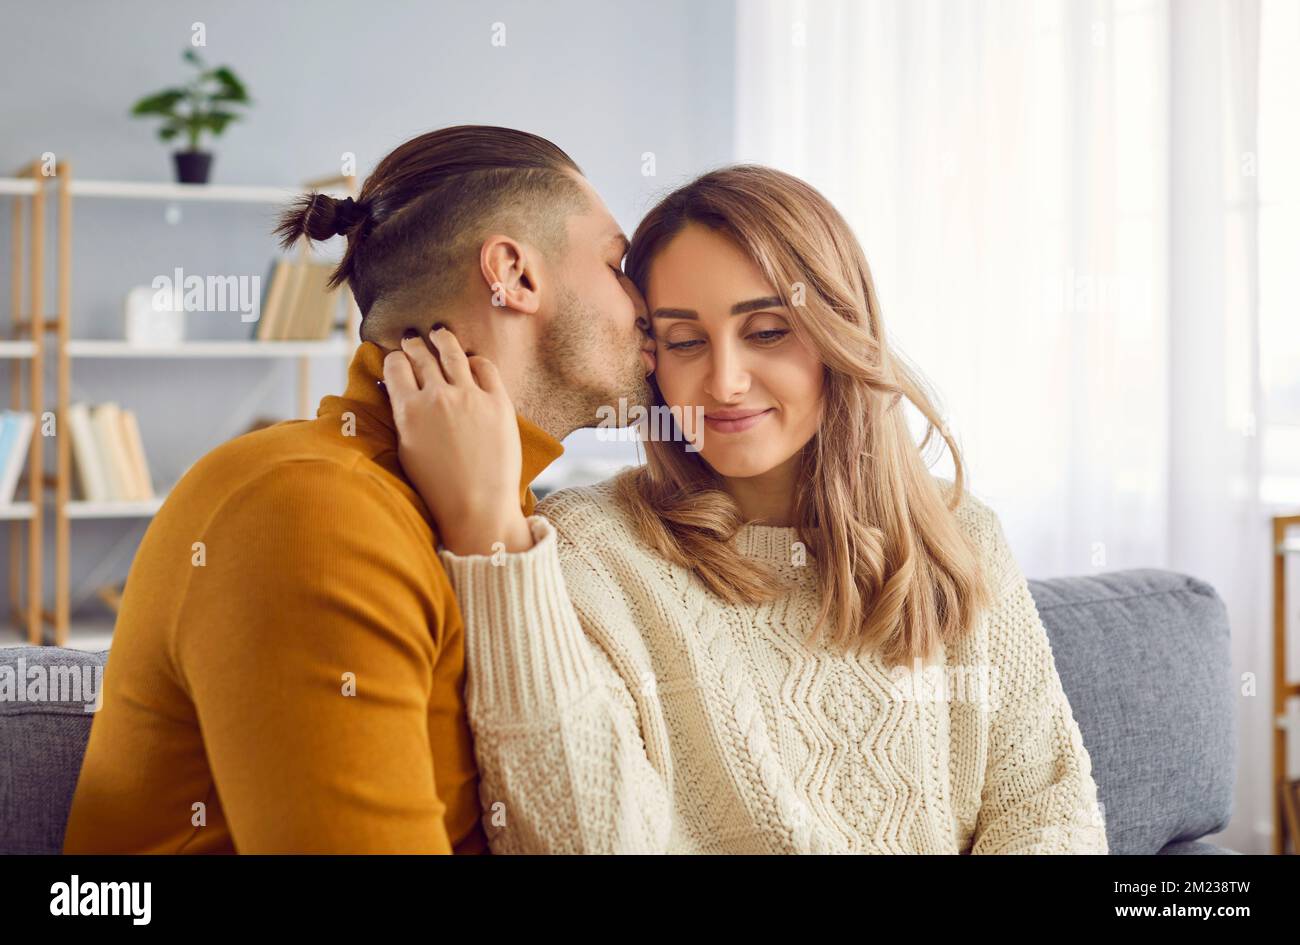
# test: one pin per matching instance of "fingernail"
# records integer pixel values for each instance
(410, 333)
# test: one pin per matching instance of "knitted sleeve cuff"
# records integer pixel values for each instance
(525, 649)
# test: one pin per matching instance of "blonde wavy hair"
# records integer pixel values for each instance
(895, 571)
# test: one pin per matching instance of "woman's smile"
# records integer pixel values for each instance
(735, 420)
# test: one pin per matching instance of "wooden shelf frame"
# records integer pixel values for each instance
(67, 348)
(25, 349)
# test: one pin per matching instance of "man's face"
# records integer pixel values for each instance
(590, 348)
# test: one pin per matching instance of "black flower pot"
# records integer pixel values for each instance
(192, 166)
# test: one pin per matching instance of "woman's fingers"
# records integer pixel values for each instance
(452, 357)
(423, 362)
(449, 365)
(399, 376)
(485, 372)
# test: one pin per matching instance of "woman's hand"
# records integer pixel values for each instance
(458, 443)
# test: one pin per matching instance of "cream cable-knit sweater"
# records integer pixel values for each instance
(618, 706)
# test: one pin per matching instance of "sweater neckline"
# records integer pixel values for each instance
(774, 543)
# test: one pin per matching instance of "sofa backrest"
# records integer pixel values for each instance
(1143, 657)
(47, 698)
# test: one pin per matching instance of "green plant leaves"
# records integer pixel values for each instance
(232, 90)
(216, 121)
(202, 106)
(160, 103)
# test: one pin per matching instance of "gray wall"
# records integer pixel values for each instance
(607, 81)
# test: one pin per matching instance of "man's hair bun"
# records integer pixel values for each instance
(319, 217)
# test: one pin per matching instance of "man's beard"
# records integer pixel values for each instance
(576, 376)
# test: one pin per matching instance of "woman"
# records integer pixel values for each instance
(781, 634)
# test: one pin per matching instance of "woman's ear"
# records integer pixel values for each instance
(510, 270)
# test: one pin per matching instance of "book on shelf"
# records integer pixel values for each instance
(108, 454)
(296, 305)
(15, 439)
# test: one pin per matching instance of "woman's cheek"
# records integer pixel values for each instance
(810, 371)
(803, 385)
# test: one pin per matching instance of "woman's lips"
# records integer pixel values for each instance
(735, 421)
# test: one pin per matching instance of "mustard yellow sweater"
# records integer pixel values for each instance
(287, 670)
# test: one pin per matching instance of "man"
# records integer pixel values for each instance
(287, 668)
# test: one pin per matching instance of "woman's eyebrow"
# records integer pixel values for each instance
(753, 305)
(740, 308)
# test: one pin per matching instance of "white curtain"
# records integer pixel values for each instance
(1059, 204)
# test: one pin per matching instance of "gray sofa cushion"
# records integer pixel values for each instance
(1143, 657)
(42, 743)
(1197, 848)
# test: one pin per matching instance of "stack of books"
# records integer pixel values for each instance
(297, 306)
(107, 454)
(15, 438)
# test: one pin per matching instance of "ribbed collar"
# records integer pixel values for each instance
(365, 397)
(774, 543)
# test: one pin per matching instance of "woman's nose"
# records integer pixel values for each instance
(728, 376)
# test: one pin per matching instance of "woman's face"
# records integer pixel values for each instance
(725, 344)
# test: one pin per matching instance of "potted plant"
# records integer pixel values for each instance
(202, 105)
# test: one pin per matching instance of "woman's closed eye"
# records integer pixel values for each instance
(766, 337)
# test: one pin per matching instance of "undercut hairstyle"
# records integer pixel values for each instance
(413, 232)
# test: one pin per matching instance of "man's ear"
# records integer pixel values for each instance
(511, 271)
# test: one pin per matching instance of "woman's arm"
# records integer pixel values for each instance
(562, 761)
(1039, 795)
(563, 764)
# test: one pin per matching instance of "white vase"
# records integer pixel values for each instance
(149, 325)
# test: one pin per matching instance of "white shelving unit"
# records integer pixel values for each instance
(141, 508)
(95, 633)
(17, 349)
(17, 511)
(160, 190)
(110, 348)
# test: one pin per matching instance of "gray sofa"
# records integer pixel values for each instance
(1143, 656)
